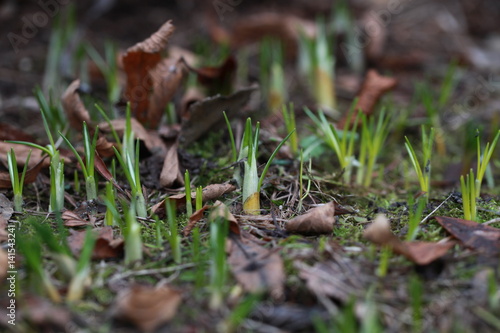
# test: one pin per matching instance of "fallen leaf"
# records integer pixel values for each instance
(147, 307)
(372, 89)
(101, 167)
(167, 78)
(21, 152)
(206, 114)
(151, 139)
(319, 220)
(193, 220)
(9, 132)
(218, 79)
(104, 147)
(328, 279)
(138, 62)
(44, 315)
(170, 172)
(473, 235)
(220, 210)
(74, 108)
(256, 268)
(421, 253)
(72, 219)
(106, 246)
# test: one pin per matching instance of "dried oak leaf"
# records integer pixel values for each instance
(207, 114)
(106, 246)
(255, 267)
(319, 220)
(147, 307)
(421, 253)
(138, 61)
(473, 235)
(373, 88)
(74, 108)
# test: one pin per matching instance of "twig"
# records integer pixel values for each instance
(152, 271)
(442, 203)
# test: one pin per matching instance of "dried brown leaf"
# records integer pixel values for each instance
(220, 210)
(373, 88)
(206, 114)
(170, 173)
(147, 307)
(218, 79)
(138, 61)
(193, 220)
(167, 77)
(9, 132)
(473, 235)
(72, 219)
(21, 152)
(319, 220)
(74, 108)
(421, 253)
(104, 147)
(106, 246)
(256, 268)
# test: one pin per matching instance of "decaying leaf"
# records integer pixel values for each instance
(328, 279)
(21, 152)
(256, 268)
(106, 246)
(218, 79)
(421, 253)
(473, 235)
(151, 139)
(170, 172)
(30, 175)
(72, 219)
(104, 147)
(319, 220)
(220, 210)
(206, 114)
(167, 78)
(147, 307)
(193, 220)
(373, 88)
(138, 62)
(9, 132)
(74, 108)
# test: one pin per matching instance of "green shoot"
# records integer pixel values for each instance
(17, 184)
(199, 197)
(289, 119)
(415, 289)
(189, 203)
(133, 241)
(324, 69)
(414, 217)
(158, 231)
(383, 266)
(77, 285)
(219, 229)
(111, 216)
(484, 160)
(76, 182)
(423, 169)
(108, 67)
(469, 196)
(231, 138)
(273, 81)
(174, 238)
(87, 166)
(342, 143)
(373, 137)
(111, 127)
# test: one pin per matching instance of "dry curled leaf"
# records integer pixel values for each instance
(72, 219)
(193, 220)
(220, 210)
(319, 220)
(106, 246)
(218, 80)
(255, 267)
(170, 172)
(207, 114)
(138, 62)
(421, 253)
(372, 89)
(73, 106)
(473, 235)
(147, 307)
